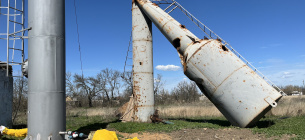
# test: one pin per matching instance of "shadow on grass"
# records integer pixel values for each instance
(226, 123)
(95, 126)
(263, 124)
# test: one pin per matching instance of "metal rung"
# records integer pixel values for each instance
(15, 22)
(172, 9)
(16, 9)
(16, 36)
(20, 31)
(10, 38)
(11, 14)
(15, 49)
(169, 6)
(15, 64)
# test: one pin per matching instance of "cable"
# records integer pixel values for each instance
(79, 49)
(123, 76)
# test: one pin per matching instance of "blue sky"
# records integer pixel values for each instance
(268, 33)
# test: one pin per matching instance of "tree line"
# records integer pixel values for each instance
(113, 88)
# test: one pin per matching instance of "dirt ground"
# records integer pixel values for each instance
(203, 134)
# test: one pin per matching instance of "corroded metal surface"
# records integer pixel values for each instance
(142, 65)
(241, 95)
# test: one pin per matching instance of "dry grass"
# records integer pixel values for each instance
(287, 106)
(103, 111)
(189, 111)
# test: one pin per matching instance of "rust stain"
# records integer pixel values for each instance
(145, 106)
(244, 80)
(136, 89)
(160, 20)
(184, 63)
(240, 101)
(134, 27)
(154, 4)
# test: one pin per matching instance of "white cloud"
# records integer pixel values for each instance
(272, 45)
(168, 67)
(287, 75)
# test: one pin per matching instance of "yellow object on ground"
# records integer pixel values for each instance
(104, 135)
(15, 132)
(135, 138)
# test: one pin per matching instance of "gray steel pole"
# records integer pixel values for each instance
(241, 95)
(46, 48)
(143, 80)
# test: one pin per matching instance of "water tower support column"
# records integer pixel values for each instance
(143, 80)
(46, 48)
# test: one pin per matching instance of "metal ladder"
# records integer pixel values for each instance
(13, 13)
(212, 35)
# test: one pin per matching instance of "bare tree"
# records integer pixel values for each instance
(186, 92)
(91, 86)
(288, 89)
(20, 89)
(112, 83)
(158, 84)
(71, 89)
(128, 85)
